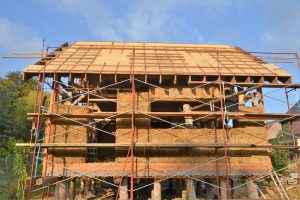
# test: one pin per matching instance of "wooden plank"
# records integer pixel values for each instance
(153, 145)
(46, 180)
(204, 114)
(149, 170)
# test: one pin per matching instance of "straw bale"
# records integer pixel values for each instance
(124, 104)
(251, 134)
(248, 109)
(246, 133)
(60, 130)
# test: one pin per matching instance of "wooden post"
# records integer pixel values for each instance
(260, 99)
(188, 120)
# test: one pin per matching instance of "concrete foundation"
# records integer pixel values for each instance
(252, 190)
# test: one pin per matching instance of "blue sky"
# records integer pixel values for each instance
(254, 25)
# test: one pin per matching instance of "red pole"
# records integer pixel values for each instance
(37, 127)
(132, 130)
(36, 138)
(293, 135)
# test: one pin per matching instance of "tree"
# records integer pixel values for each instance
(17, 98)
(280, 157)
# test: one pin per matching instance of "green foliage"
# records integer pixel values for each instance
(21, 166)
(17, 99)
(16, 169)
(280, 157)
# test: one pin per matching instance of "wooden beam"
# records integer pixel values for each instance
(196, 114)
(46, 180)
(228, 96)
(149, 170)
(103, 100)
(153, 145)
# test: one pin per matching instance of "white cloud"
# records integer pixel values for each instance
(268, 37)
(147, 20)
(15, 37)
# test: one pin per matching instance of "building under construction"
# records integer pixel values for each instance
(152, 121)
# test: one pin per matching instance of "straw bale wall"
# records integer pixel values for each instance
(246, 133)
(184, 92)
(66, 131)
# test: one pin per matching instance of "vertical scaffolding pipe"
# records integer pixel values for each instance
(53, 98)
(34, 110)
(36, 138)
(224, 130)
(216, 149)
(132, 129)
(293, 135)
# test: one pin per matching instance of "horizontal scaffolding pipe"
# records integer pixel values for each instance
(246, 84)
(153, 145)
(205, 114)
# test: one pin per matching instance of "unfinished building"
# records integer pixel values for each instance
(154, 121)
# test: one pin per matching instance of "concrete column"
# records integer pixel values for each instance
(252, 190)
(190, 189)
(60, 191)
(188, 120)
(208, 189)
(156, 192)
(223, 189)
(72, 186)
(123, 194)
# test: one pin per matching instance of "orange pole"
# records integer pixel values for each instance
(132, 130)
